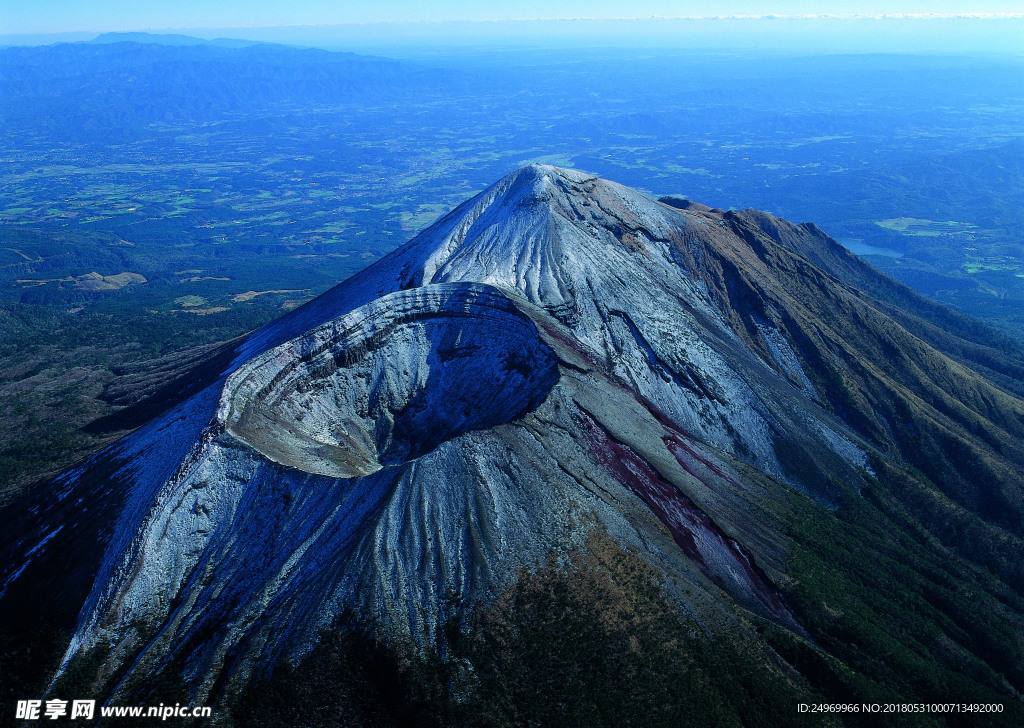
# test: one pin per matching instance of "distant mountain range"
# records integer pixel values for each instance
(171, 39)
(77, 90)
(808, 457)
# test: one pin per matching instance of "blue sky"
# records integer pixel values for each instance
(407, 27)
(55, 16)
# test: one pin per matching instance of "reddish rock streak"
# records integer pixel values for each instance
(719, 557)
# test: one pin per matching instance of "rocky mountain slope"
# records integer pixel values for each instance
(558, 358)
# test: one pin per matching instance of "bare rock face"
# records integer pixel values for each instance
(557, 355)
(390, 381)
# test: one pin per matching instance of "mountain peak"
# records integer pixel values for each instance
(547, 175)
(557, 356)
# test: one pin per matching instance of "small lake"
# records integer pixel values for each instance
(859, 247)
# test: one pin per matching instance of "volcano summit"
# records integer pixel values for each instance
(784, 437)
